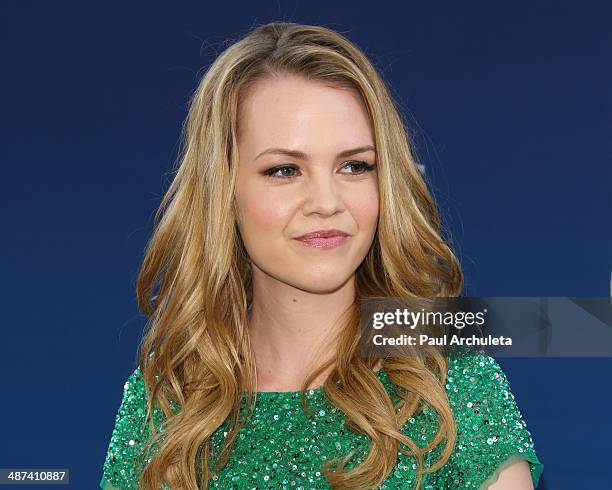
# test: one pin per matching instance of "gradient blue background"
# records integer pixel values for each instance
(511, 106)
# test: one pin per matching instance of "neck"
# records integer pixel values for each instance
(292, 332)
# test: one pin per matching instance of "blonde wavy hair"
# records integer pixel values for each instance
(194, 285)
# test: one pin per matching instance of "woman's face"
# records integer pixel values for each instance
(320, 187)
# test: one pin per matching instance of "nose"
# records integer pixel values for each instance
(322, 196)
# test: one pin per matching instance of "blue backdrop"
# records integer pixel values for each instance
(511, 106)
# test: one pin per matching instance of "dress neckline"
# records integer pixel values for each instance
(314, 392)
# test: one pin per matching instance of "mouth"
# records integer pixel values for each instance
(324, 239)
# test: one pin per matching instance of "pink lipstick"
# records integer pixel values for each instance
(324, 238)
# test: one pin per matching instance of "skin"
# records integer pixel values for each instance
(299, 291)
(515, 476)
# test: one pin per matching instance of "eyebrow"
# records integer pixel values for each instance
(304, 156)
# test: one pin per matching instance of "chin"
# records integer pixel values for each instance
(320, 285)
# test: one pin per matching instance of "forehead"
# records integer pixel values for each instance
(296, 112)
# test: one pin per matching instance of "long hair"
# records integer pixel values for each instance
(194, 285)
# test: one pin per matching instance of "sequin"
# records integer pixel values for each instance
(282, 447)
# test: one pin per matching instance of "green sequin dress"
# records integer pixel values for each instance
(281, 447)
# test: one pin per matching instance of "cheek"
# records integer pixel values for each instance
(263, 211)
(364, 206)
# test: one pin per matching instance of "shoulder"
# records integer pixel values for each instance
(473, 374)
(491, 431)
(128, 436)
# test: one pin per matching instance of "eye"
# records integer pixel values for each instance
(362, 166)
(273, 172)
(282, 168)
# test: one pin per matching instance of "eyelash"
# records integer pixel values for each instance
(271, 171)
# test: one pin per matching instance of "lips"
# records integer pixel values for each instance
(323, 234)
(324, 239)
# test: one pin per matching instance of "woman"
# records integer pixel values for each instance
(298, 195)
